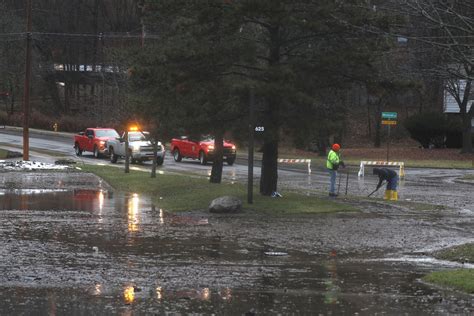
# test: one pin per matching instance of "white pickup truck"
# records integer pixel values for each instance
(140, 148)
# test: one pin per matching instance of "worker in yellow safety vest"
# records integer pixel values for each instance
(332, 164)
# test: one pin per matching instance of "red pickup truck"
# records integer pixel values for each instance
(203, 150)
(94, 140)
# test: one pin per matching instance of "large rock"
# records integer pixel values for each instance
(225, 204)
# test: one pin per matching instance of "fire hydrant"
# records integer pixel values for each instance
(55, 127)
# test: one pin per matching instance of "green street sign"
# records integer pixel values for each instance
(389, 115)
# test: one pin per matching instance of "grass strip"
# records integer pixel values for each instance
(461, 279)
(462, 253)
(180, 192)
(3, 153)
(38, 150)
(440, 164)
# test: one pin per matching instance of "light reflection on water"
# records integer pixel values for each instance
(133, 213)
(98, 289)
(332, 290)
(159, 293)
(129, 295)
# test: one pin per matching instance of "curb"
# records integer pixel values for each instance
(464, 181)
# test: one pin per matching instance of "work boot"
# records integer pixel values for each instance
(332, 194)
(388, 195)
(394, 196)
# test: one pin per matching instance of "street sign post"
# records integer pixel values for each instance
(389, 116)
(389, 119)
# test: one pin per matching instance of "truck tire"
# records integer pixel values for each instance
(96, 152)
(202, 158)
(113, 156)
(77, 149)
(177, 155)
(159, 161)
(230, 161)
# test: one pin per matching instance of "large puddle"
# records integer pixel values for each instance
(96, 252)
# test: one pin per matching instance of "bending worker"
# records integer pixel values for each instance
(332, 164)
(392, 178)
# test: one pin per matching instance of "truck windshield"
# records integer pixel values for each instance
(137, 136)
(106, 133)
(207, 139)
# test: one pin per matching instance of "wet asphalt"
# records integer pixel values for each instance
(71, 245)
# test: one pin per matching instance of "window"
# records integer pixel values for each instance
(106, 133)
(137, 136)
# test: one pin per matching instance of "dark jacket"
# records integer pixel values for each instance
(384, 174)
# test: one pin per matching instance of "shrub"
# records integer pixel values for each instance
(429, 129)
(16, 119)
(74, 124)
(3, 118)
(454, 132)
(41, 121)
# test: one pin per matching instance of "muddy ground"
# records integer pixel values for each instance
(74, 246)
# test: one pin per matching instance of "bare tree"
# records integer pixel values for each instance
(450, 28)
(12, 52)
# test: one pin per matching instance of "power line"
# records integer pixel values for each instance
(155, 36)
(12, 34)
(85, 35)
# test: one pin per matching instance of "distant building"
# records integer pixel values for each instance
(450, 106)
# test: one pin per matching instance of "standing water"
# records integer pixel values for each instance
(87, 251)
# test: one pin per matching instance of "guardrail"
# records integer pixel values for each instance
(307, 161)
(65, 135)
(382, 164)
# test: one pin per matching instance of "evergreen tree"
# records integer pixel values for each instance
(289, 52)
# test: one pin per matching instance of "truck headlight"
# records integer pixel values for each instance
(136, 147)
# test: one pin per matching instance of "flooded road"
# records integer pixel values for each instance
(73, 246)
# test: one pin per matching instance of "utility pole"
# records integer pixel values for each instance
(26, 99)
(141, 5)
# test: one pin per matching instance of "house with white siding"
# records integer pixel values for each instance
(450, 106)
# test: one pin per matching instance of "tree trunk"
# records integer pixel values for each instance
(269, 172)
(12, 99)
(369, 121)
(269, 177)
(467, 133)
(378, 125)
(466, 120)
(67, 97)
(216, 172)
(155, 154)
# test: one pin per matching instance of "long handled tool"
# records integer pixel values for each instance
(376, 189)
(347, 180)
(339, 185)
